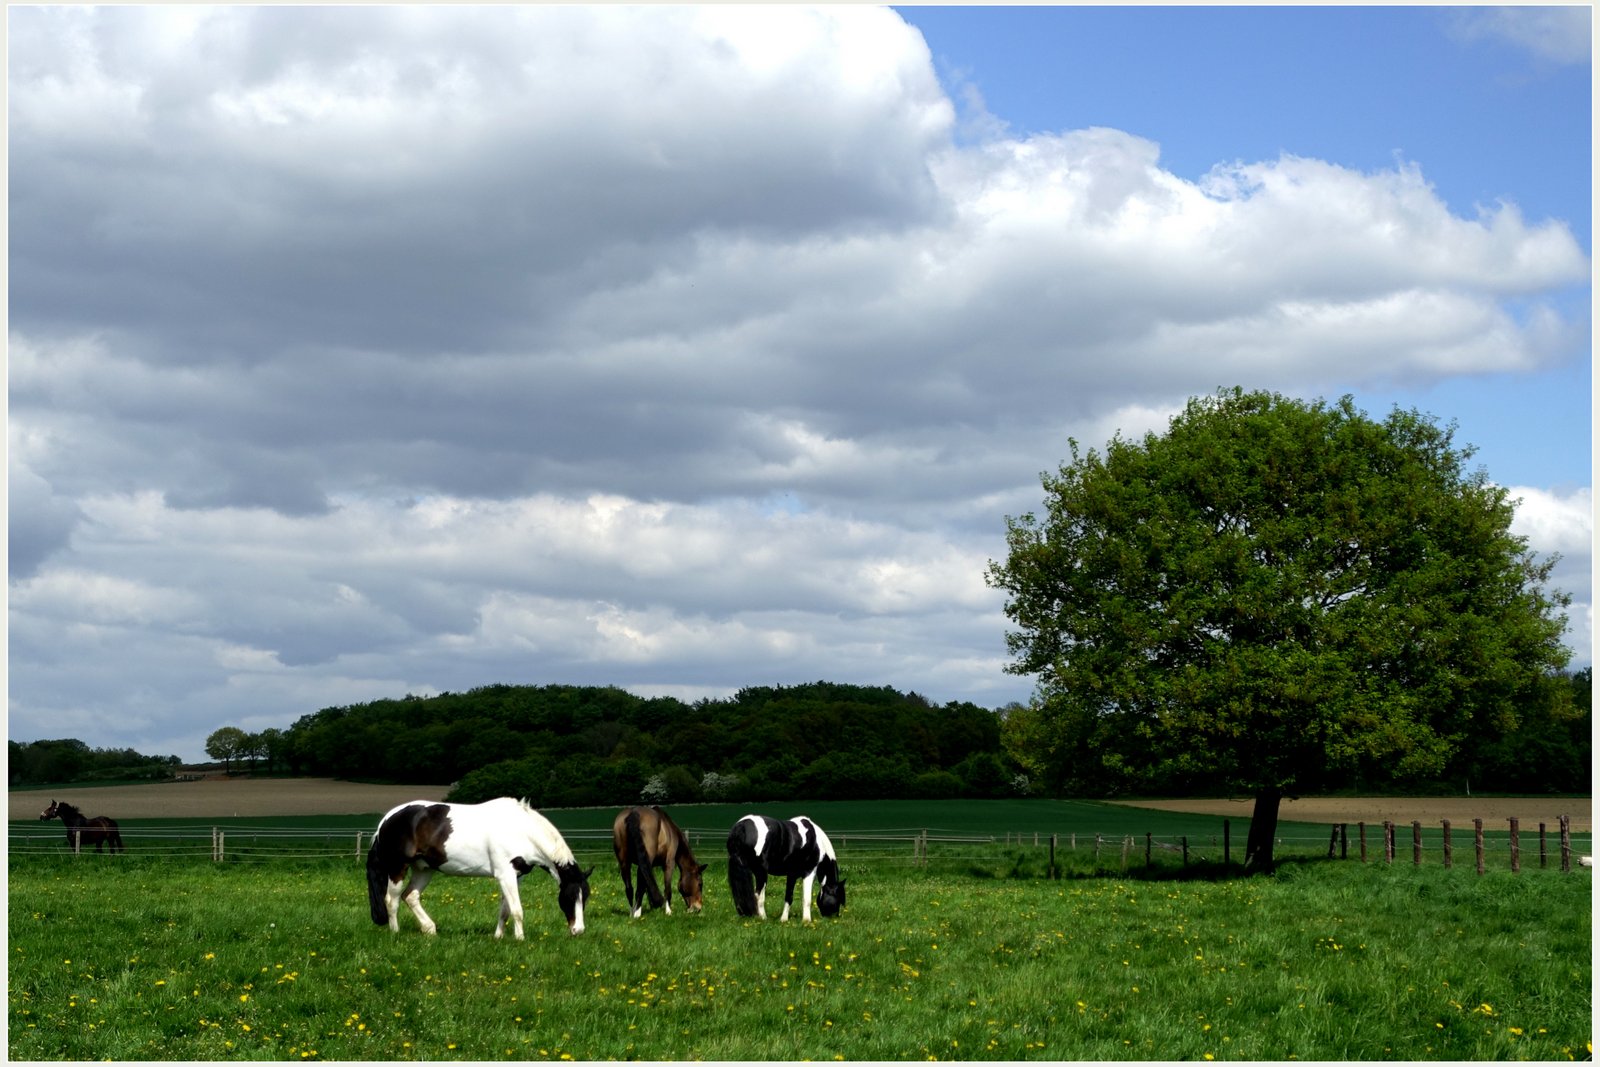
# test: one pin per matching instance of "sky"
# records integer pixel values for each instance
(364, 351)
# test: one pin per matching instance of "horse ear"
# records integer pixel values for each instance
(702, 869)
(587, 873)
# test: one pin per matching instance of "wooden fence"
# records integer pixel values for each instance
(893, 846)
(1340, 839)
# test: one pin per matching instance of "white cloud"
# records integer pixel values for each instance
(1555, 33)
(359, 351)
(1561, 523)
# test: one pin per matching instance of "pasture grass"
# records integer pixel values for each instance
(135, 958)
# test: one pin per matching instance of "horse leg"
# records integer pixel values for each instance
(412, 895)
(805, 896)
(627, 883)
(761, 892)
(391, 898)
(669, 864)
(510, 903)
(788, 898)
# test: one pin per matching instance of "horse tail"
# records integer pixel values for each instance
(377, 890)
(377, 887)
(641, 856)
(741, 879)
(114, 836)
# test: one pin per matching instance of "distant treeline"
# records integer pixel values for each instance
(70, 760)
(1550, 751)
(573, 746)
(567, 746)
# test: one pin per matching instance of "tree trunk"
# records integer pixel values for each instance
(1263, 831)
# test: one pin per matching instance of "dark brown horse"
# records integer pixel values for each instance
(98, 831)
(645, 838)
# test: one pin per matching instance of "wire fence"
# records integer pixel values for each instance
(906, 847)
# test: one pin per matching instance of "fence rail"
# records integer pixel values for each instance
(903, 846)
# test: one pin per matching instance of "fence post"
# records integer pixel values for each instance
(1127, 847)
(1449, 858)
(1227, 845)
(1477, 841)
(358, 844)
(1147, 841)
(1362, 827)
(1516, 846)
(1053, 872)
(1544, 857)
(1344, 840)
(1097, 843)
(1333, 840)
(1416, 843)
(1388, 841)
(1566, 845)
(1184, 840)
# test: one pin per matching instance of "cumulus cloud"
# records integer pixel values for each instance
(1561, 524)
(358, 351)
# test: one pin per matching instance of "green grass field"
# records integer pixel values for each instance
(976, 955)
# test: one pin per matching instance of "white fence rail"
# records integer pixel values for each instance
(905, 846)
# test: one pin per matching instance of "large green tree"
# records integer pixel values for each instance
(1272, 596)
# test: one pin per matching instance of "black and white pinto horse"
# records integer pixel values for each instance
(502, 839)
(797, 849)
(99, 831)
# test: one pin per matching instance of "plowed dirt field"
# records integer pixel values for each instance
(1494, 811)
(224, 797)
(229, 797)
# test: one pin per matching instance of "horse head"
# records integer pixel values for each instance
(830, 897)
(691, 886)
(50, 813)
(574, 894)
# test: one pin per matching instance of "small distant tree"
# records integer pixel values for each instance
(655, 790)
(714, 786)
(274, 747)
(226, 744)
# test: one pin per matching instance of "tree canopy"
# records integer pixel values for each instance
(563, 746)
(1273, 596)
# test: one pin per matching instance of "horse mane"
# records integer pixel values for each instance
(685, 850)
(63, 809)
(561, 853)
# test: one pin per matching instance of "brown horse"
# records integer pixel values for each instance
(645, 838)
(98, 831)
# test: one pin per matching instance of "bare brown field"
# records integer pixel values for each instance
(235, 797)
(1494, 811)
(229, 797)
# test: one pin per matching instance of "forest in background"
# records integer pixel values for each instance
(573, 746)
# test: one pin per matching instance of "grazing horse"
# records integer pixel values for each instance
(502, 839)
(98, 831)
(646, 838)
(798, 850)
